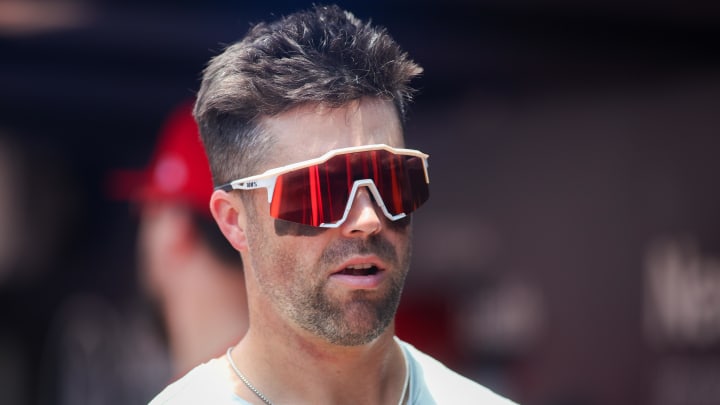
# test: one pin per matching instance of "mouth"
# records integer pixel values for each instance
(360, 275)
(364, 269)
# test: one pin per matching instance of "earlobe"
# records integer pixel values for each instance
(229, 214)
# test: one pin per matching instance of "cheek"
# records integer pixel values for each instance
(287, 228)
(402, 225)
(401, 232)
(274, 251)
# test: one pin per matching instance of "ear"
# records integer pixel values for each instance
(230, 215)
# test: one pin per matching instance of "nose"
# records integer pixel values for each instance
(364, 218)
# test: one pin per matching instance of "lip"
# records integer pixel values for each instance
(366, 282)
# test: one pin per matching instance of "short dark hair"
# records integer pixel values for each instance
(324, 55)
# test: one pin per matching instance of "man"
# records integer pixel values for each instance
(302, 122)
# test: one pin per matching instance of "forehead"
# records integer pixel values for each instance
(310, 130)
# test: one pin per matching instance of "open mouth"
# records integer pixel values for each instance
(360, 276)
(360, 270)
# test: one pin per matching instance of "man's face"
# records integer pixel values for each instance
(341, 284)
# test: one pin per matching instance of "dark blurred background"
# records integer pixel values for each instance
(570, 253)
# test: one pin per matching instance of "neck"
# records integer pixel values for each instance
(297, 367)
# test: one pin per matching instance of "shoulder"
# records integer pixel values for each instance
(434, 383)
(206, 383)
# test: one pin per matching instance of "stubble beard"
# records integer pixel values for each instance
(352, 321)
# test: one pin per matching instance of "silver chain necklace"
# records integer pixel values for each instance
(268, 402)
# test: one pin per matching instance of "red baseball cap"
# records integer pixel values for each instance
(178, 170)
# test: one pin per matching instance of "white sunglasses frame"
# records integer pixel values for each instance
(268, 178)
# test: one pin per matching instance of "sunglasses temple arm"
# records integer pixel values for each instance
(243, 184)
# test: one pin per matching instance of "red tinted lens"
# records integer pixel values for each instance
(313, 195)
(401, 182)
(319, 194)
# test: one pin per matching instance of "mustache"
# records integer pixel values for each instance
(343, 249)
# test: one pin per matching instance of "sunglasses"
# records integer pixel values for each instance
(319, 192)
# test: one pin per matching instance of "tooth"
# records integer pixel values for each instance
(363, 266)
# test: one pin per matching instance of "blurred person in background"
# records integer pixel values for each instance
(302, 121)
(188, 268)
(192, 302)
